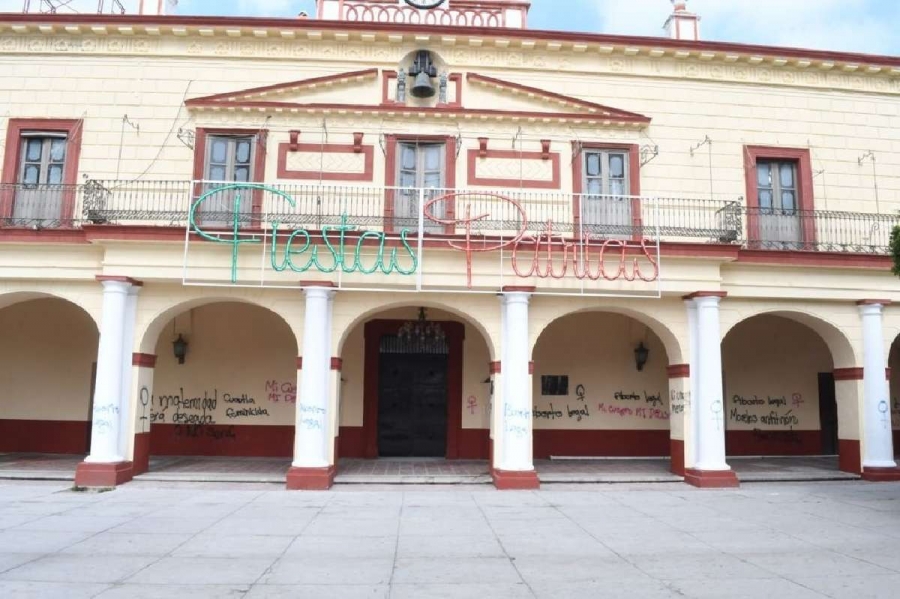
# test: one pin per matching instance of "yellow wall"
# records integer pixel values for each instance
(775, 361)
(241, 356)
(47, 351)
(596, 351)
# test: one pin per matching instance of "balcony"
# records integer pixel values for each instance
(476, 216)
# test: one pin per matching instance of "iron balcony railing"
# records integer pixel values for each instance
(467, 212)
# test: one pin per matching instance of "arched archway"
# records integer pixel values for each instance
(780, 394)
(894, 373)
(48, 350)
(234, 393)
(590, 395)
(407, 399)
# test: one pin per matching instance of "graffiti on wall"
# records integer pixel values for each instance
(627, 405)
(770, 412)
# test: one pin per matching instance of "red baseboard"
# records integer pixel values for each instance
(711, 479)
(245, 441)
(103, 475)
(352, 442)
(881, 475)
(850, 456)
(141, 457)
(310, 479)
(505, 480)
(677, 456)
(44, 436)
(600, 443)
(474, 444)
(780, 443)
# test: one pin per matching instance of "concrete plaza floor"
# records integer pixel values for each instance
(156, 539)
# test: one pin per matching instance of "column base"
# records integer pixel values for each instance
(711, 479)
(310, 479)
(507, 480)
(881, 475)
(103, 476)
(141, 453)
(850, 456)
(676, 459)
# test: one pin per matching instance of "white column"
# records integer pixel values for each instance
(878, 443)
(516, 401)
(708, 400)
(106, 419)
(690, 437)
(311, 436)
(126, 418)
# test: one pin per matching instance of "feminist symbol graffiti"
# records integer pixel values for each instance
(472, 403)
(883, 409)
(145, 402)
(716, 409)
(580, 392)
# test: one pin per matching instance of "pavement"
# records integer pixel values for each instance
(214, 540)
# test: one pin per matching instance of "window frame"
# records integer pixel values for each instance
(392, 171)
(17, 129)
(803, 180)
(633, 176)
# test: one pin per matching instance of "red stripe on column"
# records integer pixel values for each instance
(679, 371)
(337, 364)
(848, 374)
(143, 360)
(495, 368)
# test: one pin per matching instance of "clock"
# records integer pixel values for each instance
(425, 4)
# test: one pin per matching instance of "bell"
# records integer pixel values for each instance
(423, 87)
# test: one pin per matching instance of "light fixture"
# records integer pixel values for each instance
(641, 354)
(179, 347)
(421, 330)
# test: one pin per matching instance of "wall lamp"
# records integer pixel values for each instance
(641, 355)
(180, 347)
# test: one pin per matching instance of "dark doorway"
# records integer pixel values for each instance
(412, 398)
(828, 414)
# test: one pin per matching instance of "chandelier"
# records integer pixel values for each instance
(421, 330)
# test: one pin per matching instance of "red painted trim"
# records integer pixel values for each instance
(326, 284)
(390, 173)
(73, 128)
(805, 188)
(699, 294)
(45, 436)
(848, 374)
(515, 481)
(810, 258)
(606, 112)
(368, 152)
(259, 159)
(874, 303)
(634, 178)
(289, 86)
(103, 476)
(679, 371)
(352, 442)
(850, 456)
(475, 155)
(386, 78)
(118, 279)
(676, 461)
(709, 479)
(495, 368)
(881, 475)
(141, 457)
(489, 32)
(474, 444)
(337, 364)
(300, 363)
(458, 80)
(143, 360)
(374, 330)
(600, 443)
(531, 367)
(773, 443)
(515, 289)
(222, 440)
(310, 479)
(44, 236)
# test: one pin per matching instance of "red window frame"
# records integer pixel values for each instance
(390, 173)
(634, 179)
(259, 159)
(16, 127)
(805, 188)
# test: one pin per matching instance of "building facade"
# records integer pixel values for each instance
(392, 232)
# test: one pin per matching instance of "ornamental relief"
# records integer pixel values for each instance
(386, 55)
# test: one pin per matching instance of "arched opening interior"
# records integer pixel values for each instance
(779, 390)
(235, 393)
(591, 399)
(411, 398)
(894, 366)
(48, 352)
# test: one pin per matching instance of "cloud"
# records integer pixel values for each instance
(846, 25)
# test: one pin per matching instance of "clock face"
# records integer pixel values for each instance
(425, 4)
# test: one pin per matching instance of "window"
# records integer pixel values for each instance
(779, 199)
(228, 158)
(419, 166)
(39, 196)
(554, 385)
(606, 207)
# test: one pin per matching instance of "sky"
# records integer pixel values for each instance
(842, 25)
